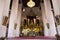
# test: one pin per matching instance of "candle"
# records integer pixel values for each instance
(28, 21)
(34, 21)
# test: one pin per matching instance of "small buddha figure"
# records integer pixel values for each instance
(25, 29)
(31, 23)
(25, 21)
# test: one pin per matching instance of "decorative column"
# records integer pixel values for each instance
(46, 30)
(50, 18)
(1, 18)
(1, 11)
(4, 9)
(19, 20)
(56, 6)
(13, 17)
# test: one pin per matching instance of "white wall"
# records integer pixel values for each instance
(56, 7)
(6, 7)
(1, 10)
(58, 1)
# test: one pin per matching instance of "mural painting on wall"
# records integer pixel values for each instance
(5, 20)
(15, 25)
(58, 19)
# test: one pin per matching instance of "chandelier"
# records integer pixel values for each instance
(31, 4)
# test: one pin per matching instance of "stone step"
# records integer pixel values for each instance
(32, 38)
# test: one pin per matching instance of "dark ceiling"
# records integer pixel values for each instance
(37, 2)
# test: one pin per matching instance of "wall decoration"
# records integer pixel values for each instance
(15, 25)
(58, 19)
(5, 20)
(48, 25)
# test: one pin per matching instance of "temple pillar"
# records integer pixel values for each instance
(13, 18)
(46, 30)
(56, 6)
(4, 9)
(19, 20)
(50, 18)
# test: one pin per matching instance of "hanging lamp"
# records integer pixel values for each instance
(31, 4)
